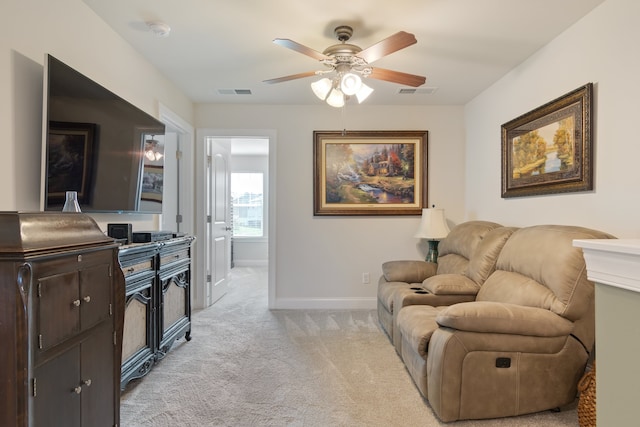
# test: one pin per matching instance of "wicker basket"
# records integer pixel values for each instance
(587, 401)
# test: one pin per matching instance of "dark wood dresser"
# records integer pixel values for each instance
(61, 321)
(157, 302)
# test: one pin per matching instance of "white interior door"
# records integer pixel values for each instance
(218, 221)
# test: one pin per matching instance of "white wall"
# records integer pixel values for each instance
(320, 260)
(601, 48)
(70, 31)
(253, 251)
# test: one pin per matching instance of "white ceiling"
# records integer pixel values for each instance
(221, 45)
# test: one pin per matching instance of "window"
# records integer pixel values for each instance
(247, 201)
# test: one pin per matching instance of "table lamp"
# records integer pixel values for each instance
(433, 227)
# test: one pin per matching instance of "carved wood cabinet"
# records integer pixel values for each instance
(62, 297)
(158, 302)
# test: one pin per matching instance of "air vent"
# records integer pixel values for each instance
(234, 91)
(417, 91)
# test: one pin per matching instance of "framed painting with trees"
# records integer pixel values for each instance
(550, 149)
(369, 172)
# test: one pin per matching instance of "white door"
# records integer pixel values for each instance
(218, 226)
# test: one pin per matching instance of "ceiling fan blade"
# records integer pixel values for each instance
(391, 44)
(291, 77)
(290, 44)
(397, 77)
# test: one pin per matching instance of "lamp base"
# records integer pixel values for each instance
(432, 255)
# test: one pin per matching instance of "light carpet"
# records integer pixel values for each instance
(249, 366)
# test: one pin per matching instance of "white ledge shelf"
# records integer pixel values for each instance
(613, 262)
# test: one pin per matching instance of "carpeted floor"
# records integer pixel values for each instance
(248, 366)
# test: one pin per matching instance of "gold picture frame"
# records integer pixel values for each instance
(370, 172)
(550, 149)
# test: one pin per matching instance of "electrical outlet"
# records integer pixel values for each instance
(365, 278)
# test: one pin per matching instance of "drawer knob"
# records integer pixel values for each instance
(77, 303)
(87, 382)
(77, 390)
(87, 298)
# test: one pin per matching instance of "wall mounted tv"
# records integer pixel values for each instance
(94, 143)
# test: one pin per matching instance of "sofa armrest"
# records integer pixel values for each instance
(409, 271)
(450, 284)
(502, 318)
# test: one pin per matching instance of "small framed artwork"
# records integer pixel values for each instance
(152, 183)
(70, 148)
(369, 172)
(550, 149)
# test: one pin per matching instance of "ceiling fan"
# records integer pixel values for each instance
(349, 64)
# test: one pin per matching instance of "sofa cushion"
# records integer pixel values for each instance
(416, 324)
(450, 284)
(539, 267)
(457, 248)
(483, 261)
(502, 318)
(409, 271)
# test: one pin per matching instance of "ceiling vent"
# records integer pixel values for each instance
(417, 91)
(234, 91)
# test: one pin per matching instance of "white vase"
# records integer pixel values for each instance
(71, 202)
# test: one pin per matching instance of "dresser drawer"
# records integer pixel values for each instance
(138, 267)
(169, 258)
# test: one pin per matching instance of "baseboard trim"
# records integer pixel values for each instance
(369, 303)
(251, 263)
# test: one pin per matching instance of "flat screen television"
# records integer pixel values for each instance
(99, 145)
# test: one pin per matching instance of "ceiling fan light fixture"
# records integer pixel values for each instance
(363, 93)
(349, 65)
(336, 98)
(350, 84)
(321, 88)
(151, 150)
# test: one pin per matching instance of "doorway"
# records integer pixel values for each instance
(250, 201)
(248, 151)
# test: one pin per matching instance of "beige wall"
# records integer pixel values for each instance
(324, 258)
(601, 48)
(320, 260)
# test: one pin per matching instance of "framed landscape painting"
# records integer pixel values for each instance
(369, 172)
(550, 149)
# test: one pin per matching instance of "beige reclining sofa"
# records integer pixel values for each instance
(522, 345)
(467, 256)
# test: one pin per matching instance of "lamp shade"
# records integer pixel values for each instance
(433, 225)
(321, 88)
(335, 98)
(363, 93)
(350, 84)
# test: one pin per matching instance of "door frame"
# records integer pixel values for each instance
(200, 211)
(185, 143)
